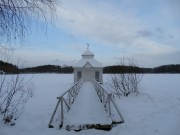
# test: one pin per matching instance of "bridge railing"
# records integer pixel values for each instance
(109, 104)
(65, 100)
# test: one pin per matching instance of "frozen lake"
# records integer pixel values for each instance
(155, 110)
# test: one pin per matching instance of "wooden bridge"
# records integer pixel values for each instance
(86, 105)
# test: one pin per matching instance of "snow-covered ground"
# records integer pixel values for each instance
(155, 110)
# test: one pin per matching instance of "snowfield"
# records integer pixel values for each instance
(154, 111)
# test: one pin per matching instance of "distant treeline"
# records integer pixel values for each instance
(173, 68)
(13, 69)
(8, 68)
(48, 69)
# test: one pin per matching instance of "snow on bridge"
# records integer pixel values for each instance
(86, 105)
(87, 109)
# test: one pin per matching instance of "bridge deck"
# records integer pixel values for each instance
(87, 108)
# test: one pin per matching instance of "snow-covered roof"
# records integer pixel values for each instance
(88, 56)
(92, 61)
(87, 53)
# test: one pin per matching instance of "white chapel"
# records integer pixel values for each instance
(88, 68)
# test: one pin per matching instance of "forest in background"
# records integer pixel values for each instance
(9, 68)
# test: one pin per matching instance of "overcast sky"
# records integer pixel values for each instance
(147, 30)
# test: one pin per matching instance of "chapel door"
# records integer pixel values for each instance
(88, 72)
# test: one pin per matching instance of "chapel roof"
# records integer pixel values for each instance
(92, 61)
(87, 53)
(88, 56)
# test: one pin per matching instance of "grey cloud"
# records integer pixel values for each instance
(159, 30)
(119, 30)
(162, 33)
(170, 36)
(145, 33)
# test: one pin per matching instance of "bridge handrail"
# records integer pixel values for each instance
(72, 87)
(107, 99)
(71, 93)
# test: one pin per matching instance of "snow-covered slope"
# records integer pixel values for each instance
(156, 110)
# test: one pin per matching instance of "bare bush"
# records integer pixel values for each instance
(128, 80)
(15, 92)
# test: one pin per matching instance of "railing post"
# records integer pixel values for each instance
(100, 94)
(50, 122)
(117, 110)
(68, 106)
(107, 100)
(75, 89)
(62, 113)
(69, 95)
(109, 104)
(103, 97)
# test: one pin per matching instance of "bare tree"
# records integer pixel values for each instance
(128, 80)
(16, 16)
